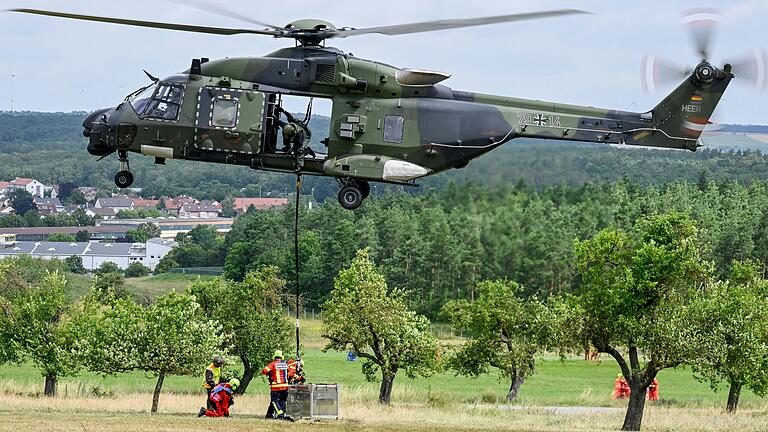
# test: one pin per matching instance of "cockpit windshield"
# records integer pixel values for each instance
(161, 101)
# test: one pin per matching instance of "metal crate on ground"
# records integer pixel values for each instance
(314, 401)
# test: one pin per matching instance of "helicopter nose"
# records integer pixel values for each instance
(96, 128)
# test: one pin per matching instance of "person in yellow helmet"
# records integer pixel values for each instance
(279, 377)
(212, 377)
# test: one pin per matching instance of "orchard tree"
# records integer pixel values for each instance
(734, 343)
(505, 331)
(636, 295)
(169, 337)
(39, 329)
(374, 322)
(251, 317)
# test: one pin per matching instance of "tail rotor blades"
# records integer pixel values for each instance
(753, 68)
(656, 72)
(702, 24)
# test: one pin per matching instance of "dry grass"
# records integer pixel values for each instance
(129, 412)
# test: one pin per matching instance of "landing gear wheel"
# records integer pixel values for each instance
(350, 197)
(123, 179)
(365, 188)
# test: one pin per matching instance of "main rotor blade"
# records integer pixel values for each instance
(428, 26)
(702, 24)
(151, 24)
(223, 11)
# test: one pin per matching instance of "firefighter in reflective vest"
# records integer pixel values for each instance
(222, 397)
(211, 377)
(279, 380)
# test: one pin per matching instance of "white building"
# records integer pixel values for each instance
(93, 254)
(32, 186)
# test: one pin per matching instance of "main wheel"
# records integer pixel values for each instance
(123, 179)
(350, 197)
(365, 187)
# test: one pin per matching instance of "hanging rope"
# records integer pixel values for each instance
(296, 256)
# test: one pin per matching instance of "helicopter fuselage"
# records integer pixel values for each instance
(387, 124)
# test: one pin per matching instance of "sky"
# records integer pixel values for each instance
(65, 65)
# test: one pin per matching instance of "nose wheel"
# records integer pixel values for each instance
(124, 178)
(353, 193)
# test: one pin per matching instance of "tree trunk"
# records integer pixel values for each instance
(733, 397)
(634, 416)
(50, 384)
(248, 372)
(385, 392)
(517, 381)
(156, 395)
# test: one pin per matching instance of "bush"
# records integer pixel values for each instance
(136, 269)
(74, 264)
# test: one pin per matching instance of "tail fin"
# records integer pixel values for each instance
(683, 115)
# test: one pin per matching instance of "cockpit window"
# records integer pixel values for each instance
(161, 102)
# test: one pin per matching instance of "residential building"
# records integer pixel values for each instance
(115, 204)
(32, 186)
(89, 192)
(199, 211)
(48, 206)
(145, 204)
(102, 213)
(94, 254)
(176, 203)
(243, 204)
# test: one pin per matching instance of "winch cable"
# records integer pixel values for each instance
(296, 256)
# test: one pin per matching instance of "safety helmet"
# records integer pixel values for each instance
(234, 383)
(218, 361)
(619, 375)
(278, 354)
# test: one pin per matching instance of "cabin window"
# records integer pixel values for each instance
(393, 128)
(224, 114)
(165, 103)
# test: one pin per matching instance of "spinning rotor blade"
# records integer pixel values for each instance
(656, 72)
(223, 11)
(428, 26)
(754, 68)
(702, 23)
(151, 24)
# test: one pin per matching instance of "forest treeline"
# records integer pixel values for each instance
(50, 147)
(439, 245)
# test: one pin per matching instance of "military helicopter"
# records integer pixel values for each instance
(388, 124)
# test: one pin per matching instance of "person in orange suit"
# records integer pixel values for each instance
(621, 388)
(653, 390)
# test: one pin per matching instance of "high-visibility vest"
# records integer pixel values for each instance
(216, 374)
(277, 372)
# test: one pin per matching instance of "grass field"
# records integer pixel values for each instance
(142, 287)
(441, 402)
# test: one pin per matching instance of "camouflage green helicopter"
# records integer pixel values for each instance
(388, 124)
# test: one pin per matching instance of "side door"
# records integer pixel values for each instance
(229, 120)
